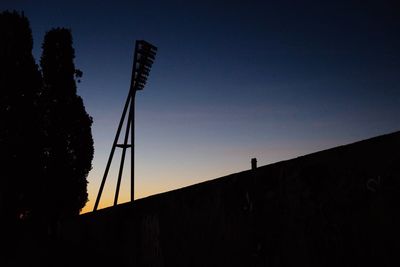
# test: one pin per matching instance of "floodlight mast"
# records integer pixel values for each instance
(143, 59)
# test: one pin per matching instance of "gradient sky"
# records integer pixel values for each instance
(232, 80)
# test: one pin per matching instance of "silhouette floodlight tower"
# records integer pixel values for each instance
(143, 59)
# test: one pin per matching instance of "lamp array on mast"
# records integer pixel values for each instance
(144, 58)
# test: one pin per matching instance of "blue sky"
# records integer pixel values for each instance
(232, 80)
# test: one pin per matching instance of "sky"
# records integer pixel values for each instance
(232, 80)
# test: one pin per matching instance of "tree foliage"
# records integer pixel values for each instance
(20, 86)
(46, 145)
(69, 143)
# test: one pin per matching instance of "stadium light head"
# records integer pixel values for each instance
(145, 54)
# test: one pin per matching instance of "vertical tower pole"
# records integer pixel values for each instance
(132, 114)
(124, 147)
(128, 99)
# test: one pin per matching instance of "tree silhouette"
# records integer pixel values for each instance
(20, 147)
(19, 131)
(68, 139)
(46, 145)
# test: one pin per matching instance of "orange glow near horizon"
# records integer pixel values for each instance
(164, 177)
(147, 190)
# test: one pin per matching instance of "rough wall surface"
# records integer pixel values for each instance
(337, 207)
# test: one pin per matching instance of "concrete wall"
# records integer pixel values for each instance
(337, 207)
